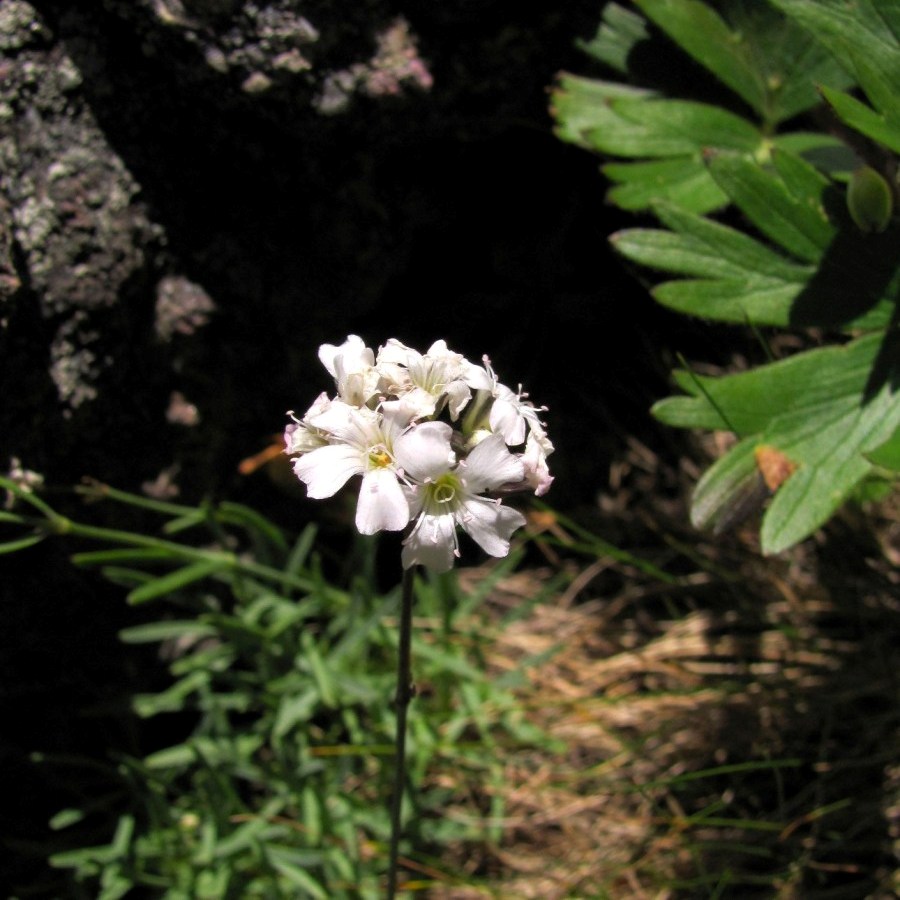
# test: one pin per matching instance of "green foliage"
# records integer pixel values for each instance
(770, 215)
(280, 695)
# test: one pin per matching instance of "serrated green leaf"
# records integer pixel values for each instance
(826, 153)
(684, 181)
(619, 32)
(759, 301)
(823, 409)
(713, 249)
(645, 127)
(863, 118)
(769, 61)
(702, 32)
(745, 402)
(579, 105)
(786, 211)
(864, 36)
(747, 282)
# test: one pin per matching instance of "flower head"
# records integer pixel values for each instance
(415, 469)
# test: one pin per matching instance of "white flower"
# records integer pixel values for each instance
(353, 366)
(537, 474)
(301, 436)
(510, 414)
(384, 425)
(360, 442)
(446, 497)
(422, 382)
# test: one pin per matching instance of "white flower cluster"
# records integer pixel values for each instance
(388, 423)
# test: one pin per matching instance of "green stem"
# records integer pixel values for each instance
(405, 692)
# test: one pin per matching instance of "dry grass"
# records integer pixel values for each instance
(733, 734)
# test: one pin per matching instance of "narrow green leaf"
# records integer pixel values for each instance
(123, 555)
(321, 675)
(301, 880)
(65, 818)
(294, 710)
(175, 581)
(176, 757)
(300, 551)
(20, 543)
(153, 632)
(173, 698)
(253, 522)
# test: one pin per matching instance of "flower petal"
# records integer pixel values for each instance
(506, 419)
(490, 465)
(382, 504)
(423, 452)
(351, 356)
(432, 543)
(326, 470)
(490, 524)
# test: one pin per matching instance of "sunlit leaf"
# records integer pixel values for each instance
(863, 118)
(887, 455)
(780, 204)
(619, 32)
(766, 59)
(824, 409)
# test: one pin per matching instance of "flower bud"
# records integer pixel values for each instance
(870, 200)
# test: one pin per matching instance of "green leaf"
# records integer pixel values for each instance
(21, 543)
(864, 119)
(122, 555)
(864, 36)
(787, 206)
(887, 455)
(683, 180)
(769, 61)
(645, 127)
(620, 31)
(870, 200)
(175, 581)
(727, 489)
(173, 698)
(154, 632)
(702, 32)
(824, 410)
